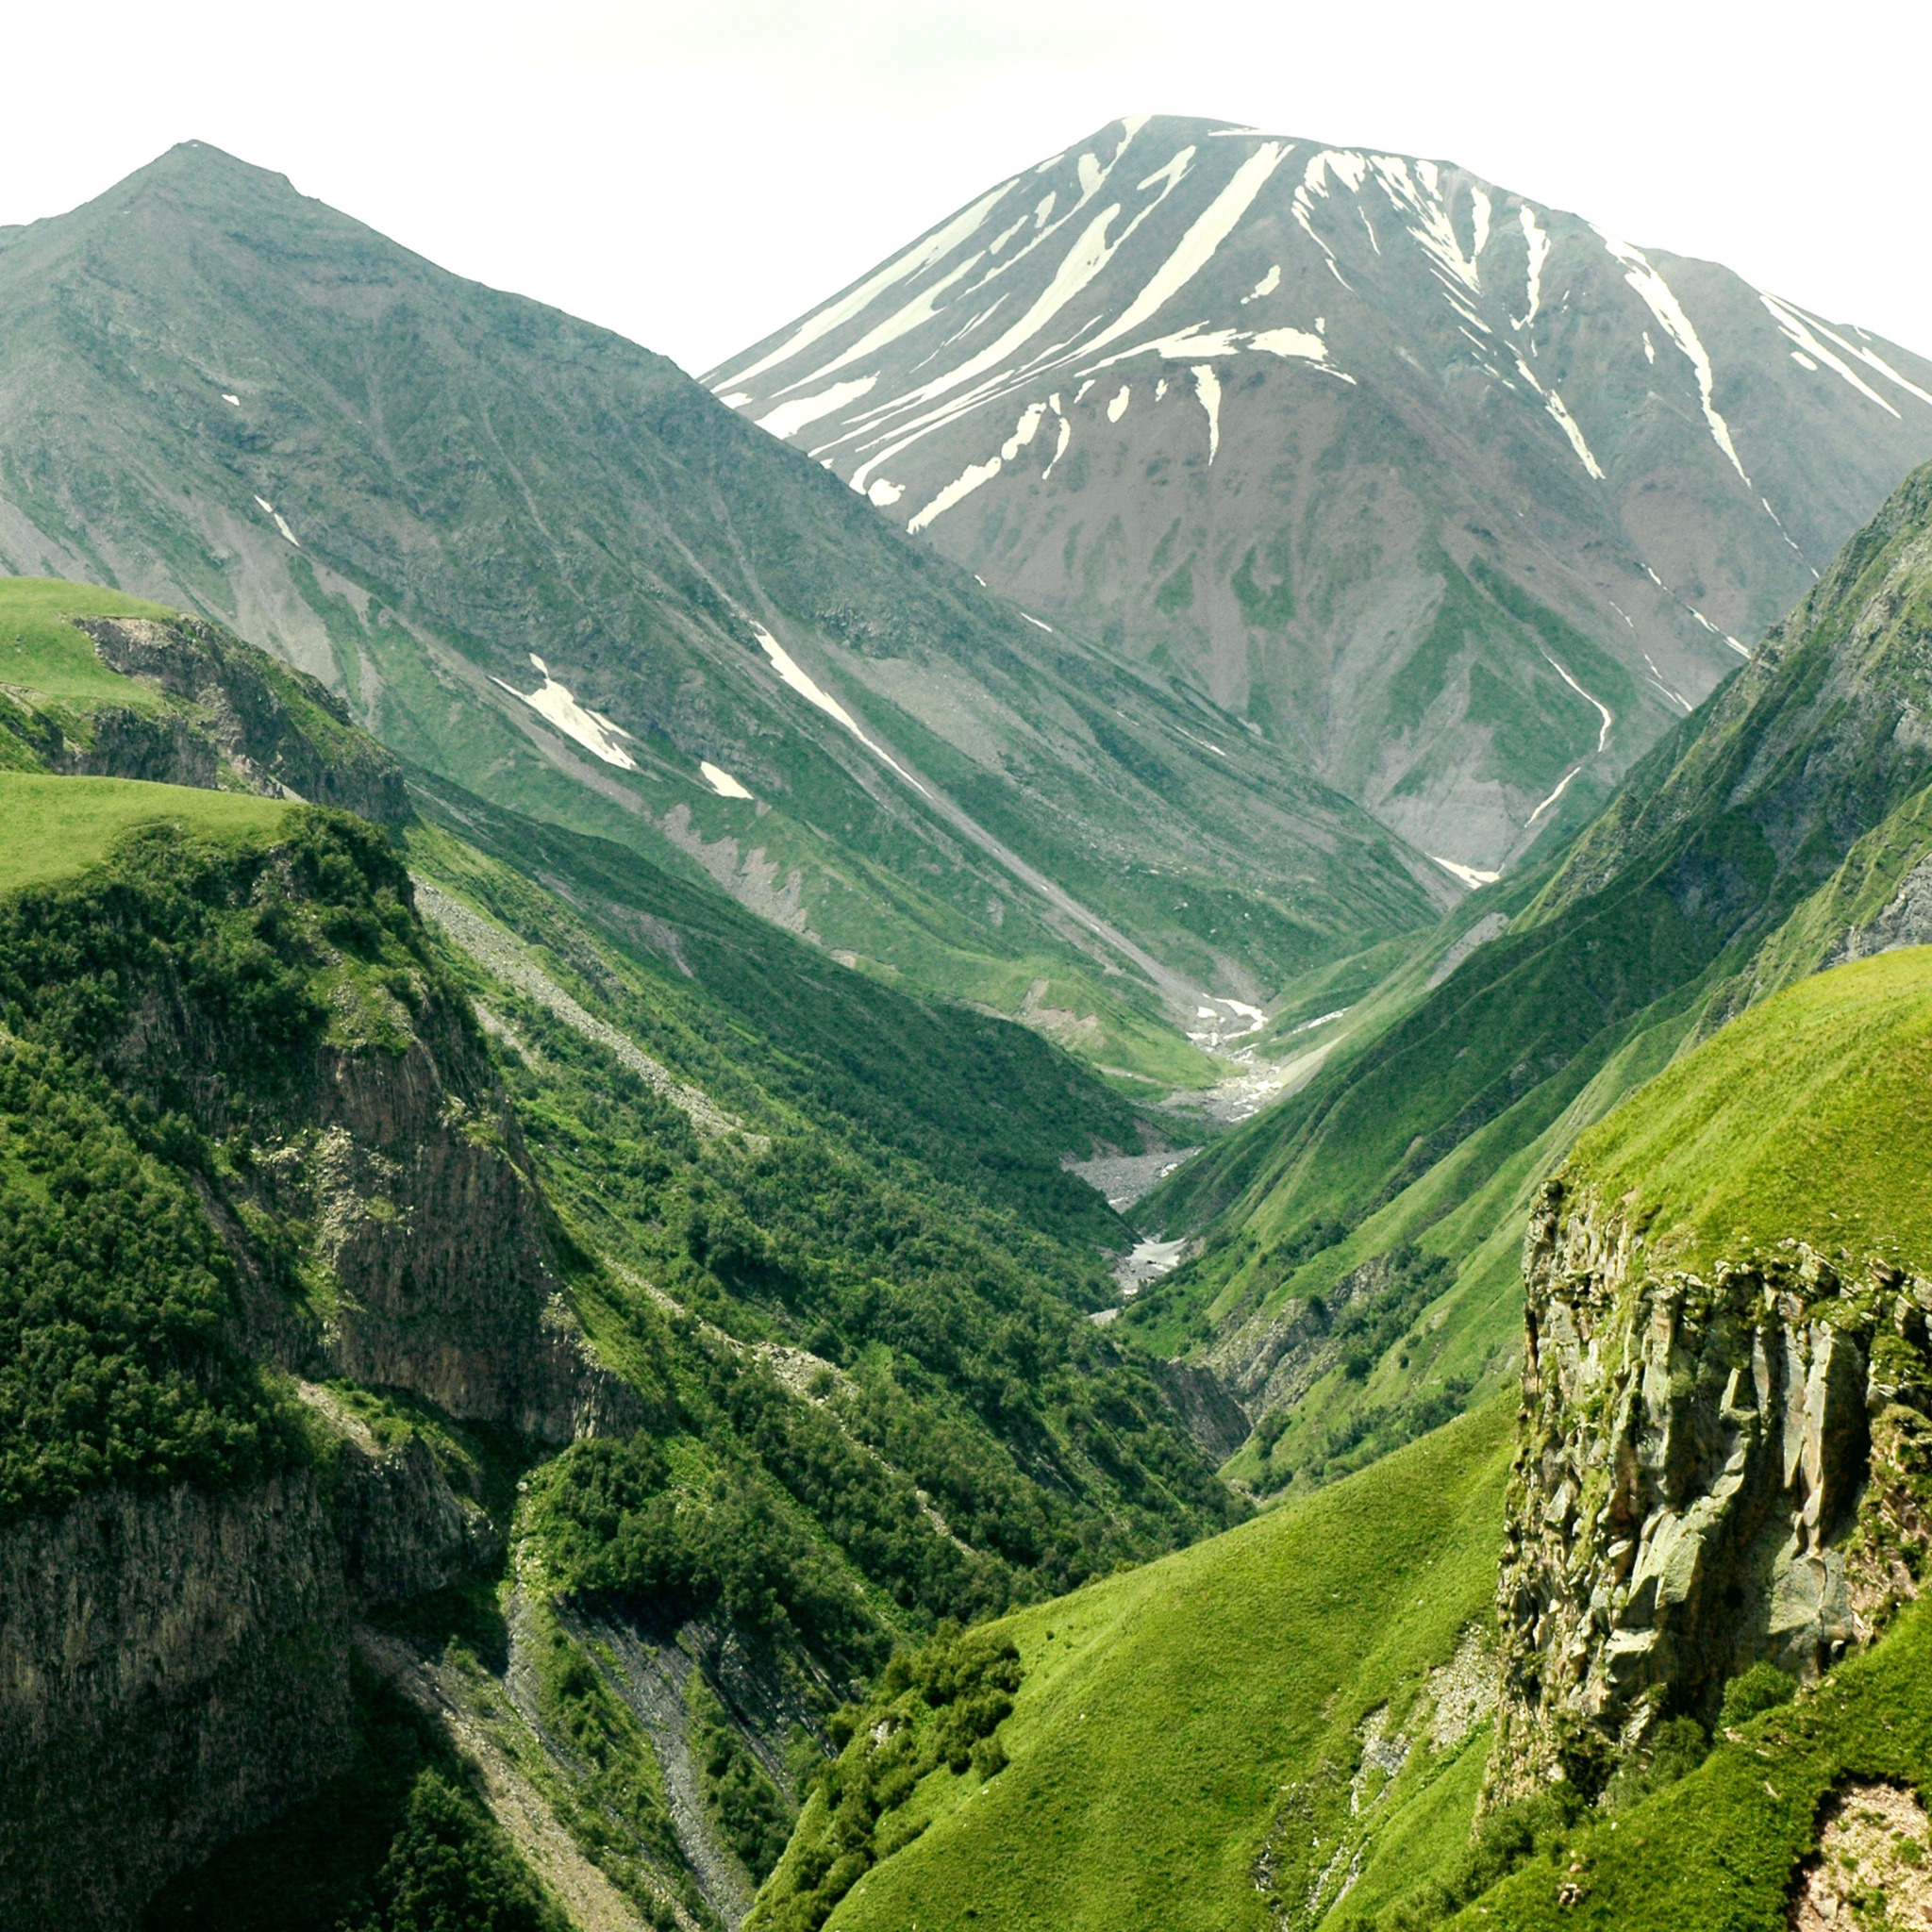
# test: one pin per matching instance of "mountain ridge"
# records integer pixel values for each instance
(541, 560)
(1510, 417)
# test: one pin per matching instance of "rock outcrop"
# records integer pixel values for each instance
(1710, 1472)
(174, 1670)
(274, 730)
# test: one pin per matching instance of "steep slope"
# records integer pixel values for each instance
(543, 562)
(781, 1260)
(1705, 1657)
(1448, 492)
(1784, 824)
(1180, 1735)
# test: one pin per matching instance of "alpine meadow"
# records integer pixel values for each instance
(1097, 1104)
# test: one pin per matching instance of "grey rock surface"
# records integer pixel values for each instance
(1709, 1473)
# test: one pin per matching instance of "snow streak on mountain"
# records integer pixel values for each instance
(1453, 495)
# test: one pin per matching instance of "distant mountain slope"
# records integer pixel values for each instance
(543, 562)
(1450, 492)
(1788, 826)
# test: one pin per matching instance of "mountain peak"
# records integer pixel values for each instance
(1465, 496)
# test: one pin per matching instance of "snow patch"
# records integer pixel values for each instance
(722, 782)
(884, 493)
(1535, 240)
(1793, 327)
(227, 398)
(1290, 343)
(1037, 624)
(788, 669)
(923, 254)
(1470, 876)
(957, 490)
(1658, 297)
(736, 400)
(1059, 448)
(1804, 361)
(590, 729)
(788, 418)
(1168, 176)
(1207, 387)
(1118, 406)
(1603, 737)
(1266, 286)
(1196, 247)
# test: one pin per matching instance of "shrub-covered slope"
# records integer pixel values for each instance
(787, 1253)
(1778, 829)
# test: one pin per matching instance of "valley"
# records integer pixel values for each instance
(757, 1171)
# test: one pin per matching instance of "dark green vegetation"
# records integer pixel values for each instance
(819, 1229)
(937, 1712)
(902, 1218)
(473, 478)
(116, 1296)
(401, 1841)
(1776, 830)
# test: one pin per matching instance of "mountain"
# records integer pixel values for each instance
(496, 1341)
(1360, 1261)
(544, 563)
(1448, 497)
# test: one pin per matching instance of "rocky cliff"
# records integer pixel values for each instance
(173, 1669)
(1713, 1468)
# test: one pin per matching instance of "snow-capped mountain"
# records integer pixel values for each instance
(1455, 495)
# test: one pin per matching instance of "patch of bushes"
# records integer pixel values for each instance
(616, 1524)
(451, 1870)
(114, 1294)
(746, 1809)
(937, 1707)
(399, 1842)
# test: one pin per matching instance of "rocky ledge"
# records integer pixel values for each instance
(1709, 1473)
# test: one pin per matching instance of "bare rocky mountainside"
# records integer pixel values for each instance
(1450, 496)
(543, 562)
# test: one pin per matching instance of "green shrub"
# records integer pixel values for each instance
(938, 1707)
(1762, 1687)
(451, 1870)
(745, 1805)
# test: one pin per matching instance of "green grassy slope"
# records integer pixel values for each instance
(1718, 1851)
(1737, 835)
(40, 649)
(1805, 1119)
(57, 826)
(1175, 1723)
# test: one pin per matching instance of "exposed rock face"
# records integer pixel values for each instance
(281, 732)
(174, 1670)
(1709, 1473)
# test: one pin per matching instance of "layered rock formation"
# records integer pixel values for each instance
(1710, 1472)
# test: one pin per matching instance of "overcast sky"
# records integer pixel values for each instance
(696, 175)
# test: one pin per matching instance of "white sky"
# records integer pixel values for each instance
(696, 175)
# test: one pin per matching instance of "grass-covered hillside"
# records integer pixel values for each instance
(1221, 1739)
(96, 683)
(1804, 1119)
(1777, 829)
